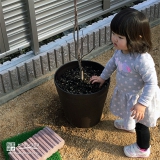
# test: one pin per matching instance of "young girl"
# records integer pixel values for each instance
(136, 95)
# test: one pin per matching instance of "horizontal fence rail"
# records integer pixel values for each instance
(27, 23)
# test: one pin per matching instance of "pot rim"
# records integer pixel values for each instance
(79, 94)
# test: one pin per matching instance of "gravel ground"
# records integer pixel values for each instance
(41, 107)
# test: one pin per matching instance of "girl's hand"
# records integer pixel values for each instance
(138, 111)
(97, 79)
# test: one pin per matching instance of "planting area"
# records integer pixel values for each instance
(41, 107)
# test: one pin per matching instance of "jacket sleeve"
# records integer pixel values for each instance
(109, 68)
(146, 69)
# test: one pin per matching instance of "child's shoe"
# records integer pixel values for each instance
(119, 125)
(134, 151)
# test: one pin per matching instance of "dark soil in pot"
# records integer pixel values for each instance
(71, 82)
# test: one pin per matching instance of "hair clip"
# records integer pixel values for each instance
(140, 36)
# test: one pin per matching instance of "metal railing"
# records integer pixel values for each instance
(26, 23)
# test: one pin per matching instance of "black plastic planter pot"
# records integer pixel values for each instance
(81, 110)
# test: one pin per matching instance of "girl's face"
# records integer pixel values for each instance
(119, 42)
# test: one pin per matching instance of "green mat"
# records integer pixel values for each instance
(23, 137)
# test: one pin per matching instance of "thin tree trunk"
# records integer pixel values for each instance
(76, 40)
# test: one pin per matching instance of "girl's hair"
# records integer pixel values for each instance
(134, 25)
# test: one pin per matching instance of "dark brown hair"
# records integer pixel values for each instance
(134, 25)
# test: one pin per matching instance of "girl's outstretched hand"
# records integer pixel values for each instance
(97, 79)
(138, 111)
